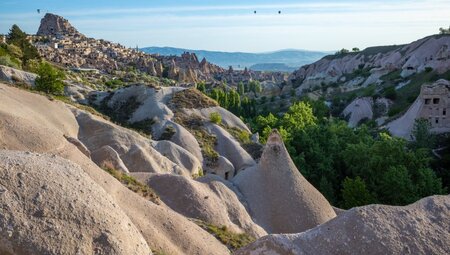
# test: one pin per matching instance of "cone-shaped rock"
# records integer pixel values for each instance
(281, 200)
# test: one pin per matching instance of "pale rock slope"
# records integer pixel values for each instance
(358, 110)
(71, 214)
(279, 198)
(211, 201)
(30, 122)
(133, 150)
(432, 51)
(175, 108)
(419, 228)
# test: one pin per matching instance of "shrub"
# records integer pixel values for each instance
(169, 131)
(131, 183)
(428, 69)
(7, 61)
(215, 117)
(50, 80)
(232, 240)
(390, 93)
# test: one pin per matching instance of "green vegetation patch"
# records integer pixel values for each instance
(232, 240)
(131, 183)
(207, 141)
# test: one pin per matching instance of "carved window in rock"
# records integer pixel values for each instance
(435, 100)
(427, 101)
(444, 112)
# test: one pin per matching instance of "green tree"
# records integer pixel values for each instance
(444, 31)
(298, 117)
(355, 193)
(255, 87)
(16, 35)
(50, 79)
(421, 135)
(241, 89)
(19, 38)
(396, 186)
(201, 86)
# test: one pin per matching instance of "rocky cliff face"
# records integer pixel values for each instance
(432, 51)
(54, 25)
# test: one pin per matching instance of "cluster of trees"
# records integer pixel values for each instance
(232, 99)
(19, 53)
(354, 167)
(444, 31)
(50, 79)
(19, 47)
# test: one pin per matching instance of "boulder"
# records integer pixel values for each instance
(419, 228)
(280, 199)
(16, 76)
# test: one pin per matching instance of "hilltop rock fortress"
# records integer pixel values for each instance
(54, 25)
(280, 199)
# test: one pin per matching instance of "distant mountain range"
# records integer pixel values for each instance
(283, 60)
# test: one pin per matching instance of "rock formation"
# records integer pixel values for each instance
(358, 109)
(280, 199)
(71, 214)
(212, 202)
(432, 51)
(57, 26)
(31, 122)
(16, 76)
(419, 228)
(432, 104)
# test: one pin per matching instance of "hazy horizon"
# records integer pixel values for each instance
(232, 26)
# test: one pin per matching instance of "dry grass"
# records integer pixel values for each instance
(191, 99)
(131, 183)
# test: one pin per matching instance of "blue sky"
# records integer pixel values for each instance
(232, 26)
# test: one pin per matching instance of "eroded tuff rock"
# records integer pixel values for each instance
(211, 201)
(280, 199)
(432, 51)
(54, 25)
(419, 228)
(134, 150)
(16, 76)
(48, 205)
(31, 122)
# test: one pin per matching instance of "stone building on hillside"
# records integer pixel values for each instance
(436, 105)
